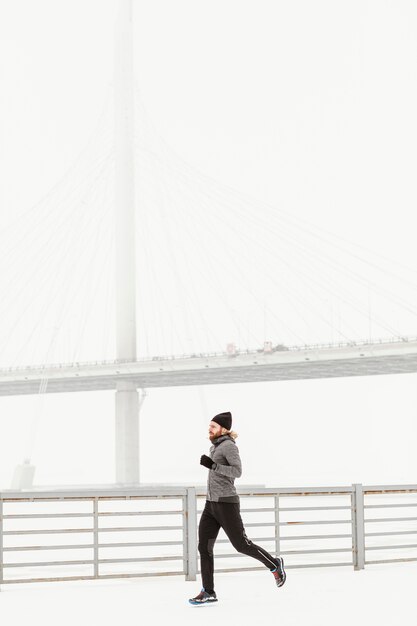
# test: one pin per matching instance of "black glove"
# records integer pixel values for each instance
(207, 461)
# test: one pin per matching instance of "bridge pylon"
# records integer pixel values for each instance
(127, 397)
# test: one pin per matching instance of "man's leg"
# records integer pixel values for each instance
(229, 517)
(208, 530)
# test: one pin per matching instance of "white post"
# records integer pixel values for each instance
(95, 537)
(1, 539)
(191, 534)
(277, 528)
(127, 400)
(358, 527)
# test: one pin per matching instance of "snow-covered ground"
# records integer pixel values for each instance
(336, 596)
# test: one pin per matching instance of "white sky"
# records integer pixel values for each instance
(307, 108)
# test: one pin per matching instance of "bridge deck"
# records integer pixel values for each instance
(295, 364)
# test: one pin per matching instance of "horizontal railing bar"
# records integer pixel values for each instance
(47, 515)
(405, 545)
(53, 531)
(41, 563)
(174, 493)
(315, 522)
(38, 498)
(142, 575)
(287, 552)
(121, 513)
(141, 559)
(90, 562)
(398, 532)
(164, 493)
(89, 530)
(267, 492)
(296, 537)
(304, 523)
(303, 565)
(315, 508)
(62, 547)
(392, 519)
(46, 580)
(68, 578)
(381, 490)
(148, 494)
(387, 561)
(260, 510)
(292, 508)
(324, 551)
(296, 508)
(141, 544)
(103, 514)
(138, 528)
(388, 506)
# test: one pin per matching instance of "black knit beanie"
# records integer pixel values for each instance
(224, 419)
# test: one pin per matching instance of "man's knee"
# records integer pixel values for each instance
(242, 544)
(206, 547)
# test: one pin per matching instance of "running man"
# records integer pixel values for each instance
(222, 509)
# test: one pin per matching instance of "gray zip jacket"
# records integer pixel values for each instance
(221, 478)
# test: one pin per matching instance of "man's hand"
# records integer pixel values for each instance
(207, 461)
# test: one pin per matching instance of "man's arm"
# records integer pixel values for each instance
(234, 469)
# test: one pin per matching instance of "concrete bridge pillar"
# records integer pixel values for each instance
(127, 398)
(127, 434)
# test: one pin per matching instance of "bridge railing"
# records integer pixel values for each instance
(239, 351)
(74, 535)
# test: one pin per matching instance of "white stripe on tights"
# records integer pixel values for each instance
(268, 559)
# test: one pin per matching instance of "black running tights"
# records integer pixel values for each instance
(225, 515)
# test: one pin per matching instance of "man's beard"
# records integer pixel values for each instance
(214, 437)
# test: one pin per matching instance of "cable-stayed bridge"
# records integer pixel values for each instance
(325, 361)
(293, 277)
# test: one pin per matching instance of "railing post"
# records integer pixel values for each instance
(190, 518)
(277, 528)
(358, 527)
(1, 539)
(95, 536)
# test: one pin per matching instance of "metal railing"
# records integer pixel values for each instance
(204, 355)
(104, 533)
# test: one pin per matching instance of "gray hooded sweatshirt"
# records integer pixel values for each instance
(221, 478)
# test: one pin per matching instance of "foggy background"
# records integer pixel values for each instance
(275, 165)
